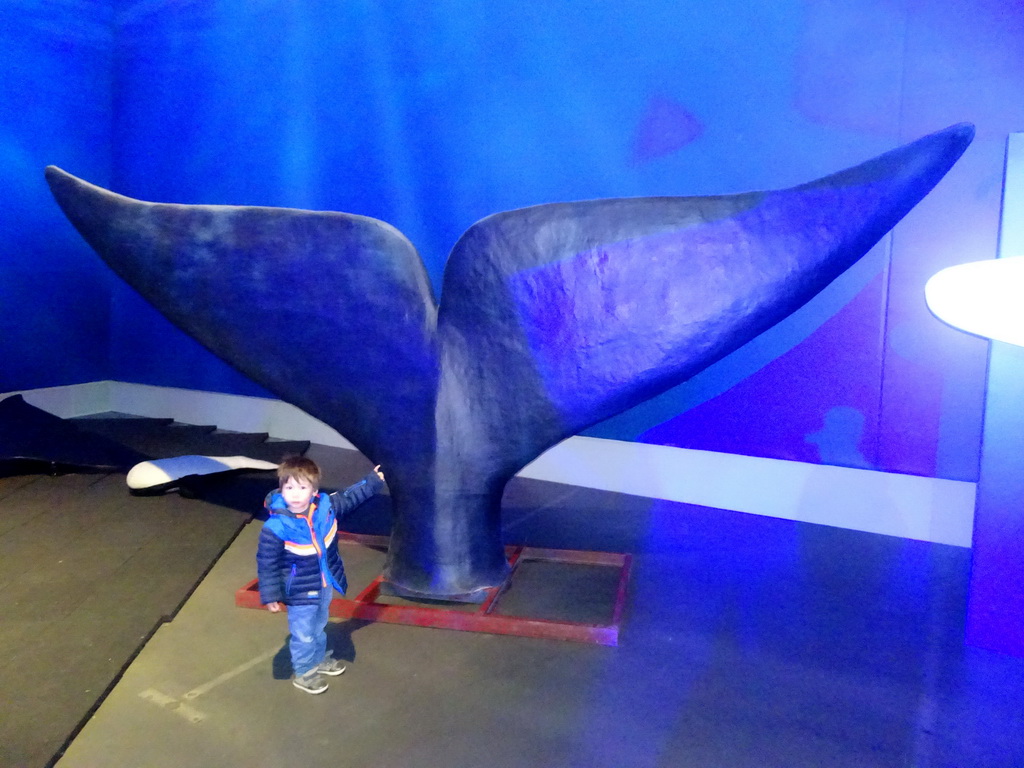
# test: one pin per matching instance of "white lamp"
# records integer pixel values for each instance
(985, 298)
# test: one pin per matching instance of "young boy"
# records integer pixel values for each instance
(298, 562)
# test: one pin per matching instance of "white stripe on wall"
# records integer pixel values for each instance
(927, 509)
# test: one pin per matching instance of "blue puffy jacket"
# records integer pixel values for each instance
(298, 554)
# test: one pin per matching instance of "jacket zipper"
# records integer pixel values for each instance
(316, 544)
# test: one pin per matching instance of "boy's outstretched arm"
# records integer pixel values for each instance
(351, 497)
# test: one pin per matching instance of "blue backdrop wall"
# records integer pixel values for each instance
(55, 107)
(431, 116)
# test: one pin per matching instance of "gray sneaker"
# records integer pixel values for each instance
(330, 666)
(311, 682)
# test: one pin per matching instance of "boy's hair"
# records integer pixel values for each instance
(300, 468)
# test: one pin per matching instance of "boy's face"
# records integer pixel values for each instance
(297, 494)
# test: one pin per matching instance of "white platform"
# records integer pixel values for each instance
(927, 509)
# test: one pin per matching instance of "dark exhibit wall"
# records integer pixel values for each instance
(432, 117)
(55, 102)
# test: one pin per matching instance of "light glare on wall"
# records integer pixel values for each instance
(985, 298)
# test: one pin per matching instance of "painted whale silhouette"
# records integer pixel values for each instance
(551, 319)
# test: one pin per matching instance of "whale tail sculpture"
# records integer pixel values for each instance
(551, 318)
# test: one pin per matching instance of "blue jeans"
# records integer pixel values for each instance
(308, 642)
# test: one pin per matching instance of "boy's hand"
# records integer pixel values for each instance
(379, 473)
(274, 607)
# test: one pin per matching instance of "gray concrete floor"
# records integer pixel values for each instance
(86, 574)
(746, 642)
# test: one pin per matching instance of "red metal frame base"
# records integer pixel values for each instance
(367, 608)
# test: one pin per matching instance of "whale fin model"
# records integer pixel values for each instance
(551, 319)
